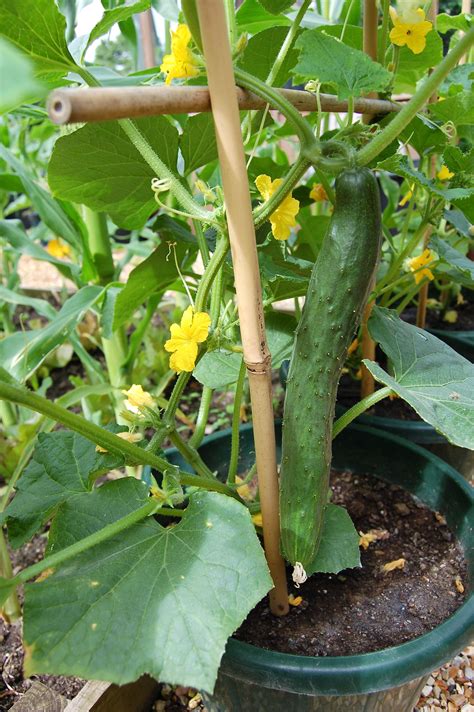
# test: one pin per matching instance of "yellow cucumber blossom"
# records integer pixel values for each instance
(406, 198)
(185, 337)
(128, 437)
(181, 63)
(137, 398)
(410, 29)
(318, 194)
(283, 218)
(444, 173)
(58, 248)
(420, 265)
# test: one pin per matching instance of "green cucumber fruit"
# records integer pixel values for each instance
(337, 292)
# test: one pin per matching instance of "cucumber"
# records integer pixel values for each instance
(336, 296)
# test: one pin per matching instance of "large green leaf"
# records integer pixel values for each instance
(154, 274)
(435, 380)
(17, 83)
(280, 330)
(253, 18)
(276, 6)
(37, 28)
(261, 52)
(22, 352)
(156, 600)
(63, 465)
(460, 267)
(41, 306)
(198, 142)
(445, 22)
(116, 14)
(458, 108)
(14, 234)
(461, 77)
(98, 165)
(348, 70)
(412, 67)
(218, 369)
(459, 161)
(339, 547)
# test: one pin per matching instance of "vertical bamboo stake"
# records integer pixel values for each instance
(370, 20)
(147, 36)
(423, 293)
(217, 53)
(465, 9)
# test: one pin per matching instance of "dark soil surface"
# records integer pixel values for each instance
(12, 682)
(349, 394)
(434, 318)
(367, 609)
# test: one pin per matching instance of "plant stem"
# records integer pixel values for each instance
(102, 437)
(190, 454)
(212, 270)
(409, 111)
(384, 33)
(358, 409)
(231, 22)
(234, 448)
(288, 41)
(11, 608)
(202, 417)
(7, 414)
(201, 241)
(99, 244)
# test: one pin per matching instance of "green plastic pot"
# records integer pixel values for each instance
(460, 341)
(388, 680)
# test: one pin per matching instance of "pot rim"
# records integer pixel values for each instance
(365, 672)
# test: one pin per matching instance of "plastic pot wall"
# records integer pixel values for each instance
(389, 680)
(460, 341)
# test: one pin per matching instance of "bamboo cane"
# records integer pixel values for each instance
(106, 103)
(257, 358)
(147, 36)
(465, 9)
(423, 294)
(367, 385)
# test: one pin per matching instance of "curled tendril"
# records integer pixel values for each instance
(331, 156)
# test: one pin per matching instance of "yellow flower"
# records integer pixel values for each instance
(411, 33)
(181, 63)
(295, 600)
(408, 196)
(318, 194)
(58, 248)
(129, 437)
(257, 519)
(444, 173)
(420, 265)
(137, 398)
(185, 337)
(283, 218)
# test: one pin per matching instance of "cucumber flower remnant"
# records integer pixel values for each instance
(128, 437)
(317, 193)
(420, 265)
(57, 248)
(181, 63)
(410, 28)
(283, 218)
(185, 337)
(137, 399)
(444, 173)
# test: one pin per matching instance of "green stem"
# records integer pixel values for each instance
(234, 448)
(102, 437)
(7, 414)
(409, 297)
(384, 33)
(202, 417)
(201, 241)
(420, 98)
(278, 101)
(296, 172)
(11, 607)
(190, 454)
(211, 271)
(231, 22)
(350, 111)
(99, 244)
(358, 409)
(288, 41)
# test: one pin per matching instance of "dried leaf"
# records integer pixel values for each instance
(392, 565)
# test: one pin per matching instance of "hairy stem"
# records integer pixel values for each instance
(358, 409)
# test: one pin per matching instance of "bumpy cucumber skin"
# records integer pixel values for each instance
(336, 296)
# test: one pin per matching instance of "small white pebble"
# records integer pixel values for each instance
(426, 691)
(469, 673)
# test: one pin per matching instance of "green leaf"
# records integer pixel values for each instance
(22, 352)
(435, 380)
(203, 576)
(37, 28)
(461, 267)
(41, 306)
(173, 230)
(14, 233)
(400, 165)
(459, 221)
(283, 279)
(445, 22)
(218, 369)
(276, 6)
(89, 511)
(98, 165)
(261, 52)
(423, 134)
(63, 465)
(280, 330)
(458, 108)
(349, 71)
(17, 83)
(198, 142)
(459, 162)
(253, 18)
(413, 67)
(154, 274)
(6, 588)
(339, 547)
(116, 14)
(460, 78)
(167, 9)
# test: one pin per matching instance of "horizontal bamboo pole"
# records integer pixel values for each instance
(66, 106)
